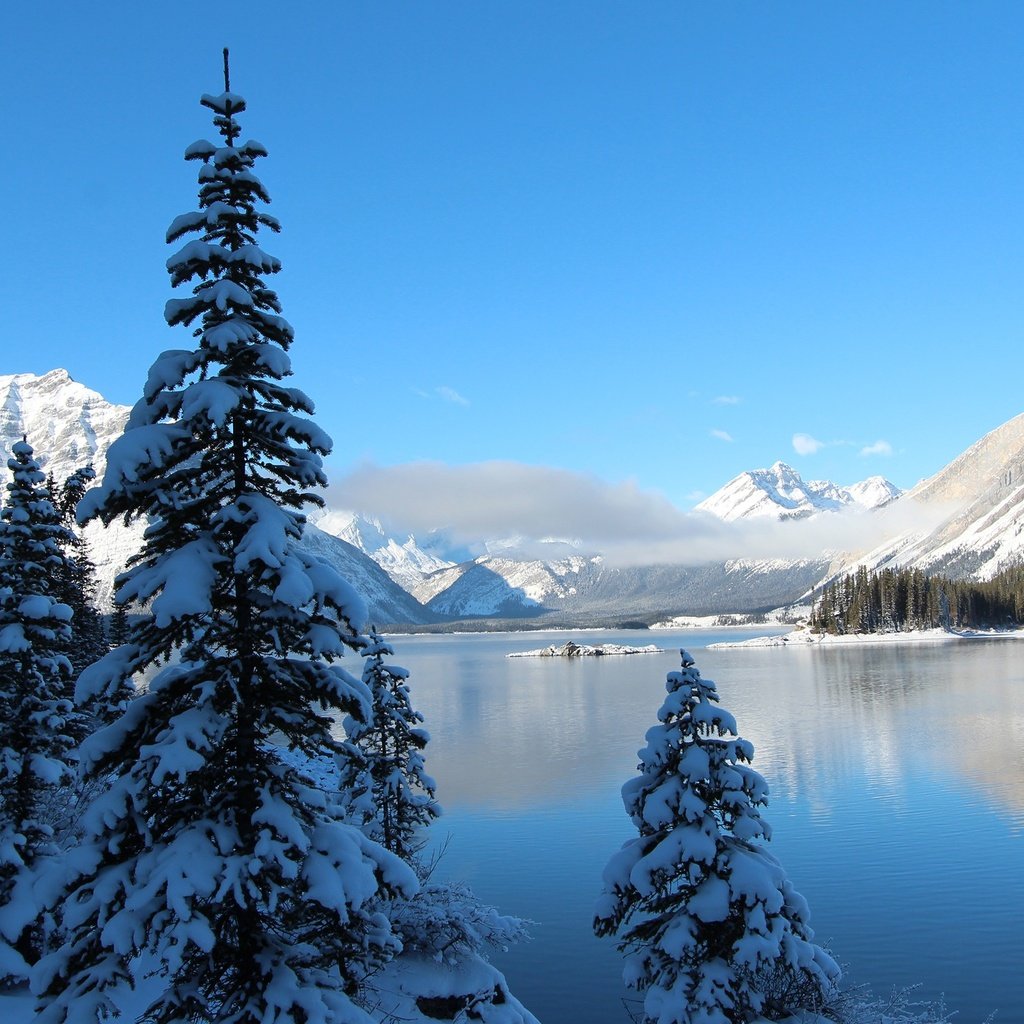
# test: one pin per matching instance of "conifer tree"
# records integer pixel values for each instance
(385, 778)
(118, 632)
(446, 932)
(77, 582)
(35, 717)
(712, 929)
(210, 850)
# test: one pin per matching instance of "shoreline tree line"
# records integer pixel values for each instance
(899, 600)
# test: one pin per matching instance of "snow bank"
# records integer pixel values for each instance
(804, 638)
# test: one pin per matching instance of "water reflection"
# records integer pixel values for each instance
(897, 778)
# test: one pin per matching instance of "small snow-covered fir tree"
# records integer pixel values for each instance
(211, 852)
(384, 777)
(445, 930)
(35, 717)
(712, 929)
(77, 582)
(78, 587)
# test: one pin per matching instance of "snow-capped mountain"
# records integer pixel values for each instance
(386, 601)
(781, 493)
(404, 561)
(67, 424)
(506, 586)
(579, 588)
(977, 502)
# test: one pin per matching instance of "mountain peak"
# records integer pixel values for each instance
(780, 492)
(67, 424)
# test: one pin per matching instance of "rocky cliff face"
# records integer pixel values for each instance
(67, 424)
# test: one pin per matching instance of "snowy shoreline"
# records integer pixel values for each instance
(804, 638)
(573, 650)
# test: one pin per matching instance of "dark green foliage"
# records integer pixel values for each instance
(213, 852)
(897, 600)
(35, 716)
(118, 629)
(77, 582)
(390, 794)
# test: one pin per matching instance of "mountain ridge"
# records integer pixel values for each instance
(977, 501)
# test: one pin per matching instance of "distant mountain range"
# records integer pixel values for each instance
(977, 500)
(69, 426)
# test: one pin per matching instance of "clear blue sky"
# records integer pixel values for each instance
(643, 241)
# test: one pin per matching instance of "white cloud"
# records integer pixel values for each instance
(446, 393)
(722, 435)
(625, 524)
(878, 448)
(726, 400)
(450, 395)
(804, 444)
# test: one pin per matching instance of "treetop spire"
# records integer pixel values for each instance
(227, 73)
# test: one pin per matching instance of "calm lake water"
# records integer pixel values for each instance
(897, 799)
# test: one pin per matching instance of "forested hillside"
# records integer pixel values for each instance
(895, 600)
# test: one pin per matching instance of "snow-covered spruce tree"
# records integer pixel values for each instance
(712, 929)
(384, 777)
(34, 715)
(78, 586)
(78, 580)
(210, 851)
(118, 631)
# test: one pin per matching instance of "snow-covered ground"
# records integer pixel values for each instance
(781, 616)
(805, 638)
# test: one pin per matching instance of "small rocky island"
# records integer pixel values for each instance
(570, 649)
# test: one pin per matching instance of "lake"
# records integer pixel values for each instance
(897, 799)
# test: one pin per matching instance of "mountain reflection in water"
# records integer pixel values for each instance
(897, 798)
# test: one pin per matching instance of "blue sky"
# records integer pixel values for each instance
(649, 243)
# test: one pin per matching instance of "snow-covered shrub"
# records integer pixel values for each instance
(712, 929)
(857, 1005)
(211, 854)
(446, 922)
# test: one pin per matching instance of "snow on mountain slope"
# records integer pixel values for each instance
(387, 602)
(780, 492)
(978, 501)
(405, 562)
(67, 424)
(874, 492)
(502, 586)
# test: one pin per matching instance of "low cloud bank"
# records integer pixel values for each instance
(622, 522)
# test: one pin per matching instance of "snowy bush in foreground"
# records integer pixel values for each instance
(713, 931)
(211, 854)
(35, 717)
